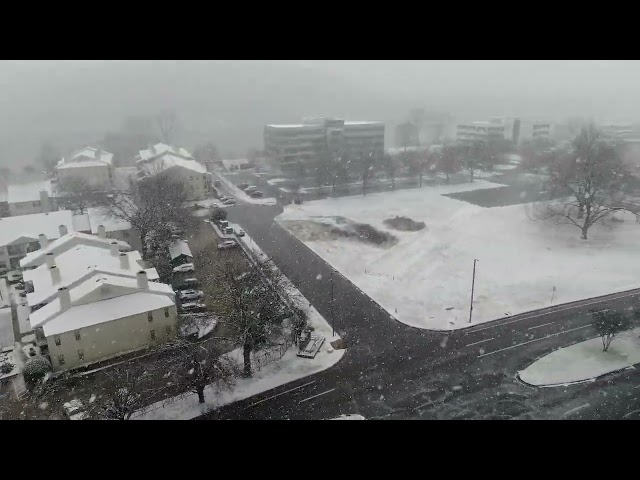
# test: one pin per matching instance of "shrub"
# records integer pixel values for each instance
(404, 224)
(218, 215)
(35, 368)
(6, 367)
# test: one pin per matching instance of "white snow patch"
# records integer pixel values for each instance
(584, 361)
(425, 272)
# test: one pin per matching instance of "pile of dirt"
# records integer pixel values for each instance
(404, 224)
(366, 233)
(307, 230)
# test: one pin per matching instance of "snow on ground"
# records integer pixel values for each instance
(289, 368)
(6, 328)
(274, 181)
(5, 298)
(424, 280)
(207, 202)
(505, 167)
(584, 361)
(203, 212)
(23, 318)
(240, 195)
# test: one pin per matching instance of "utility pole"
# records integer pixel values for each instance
(333, 330)
(473, 284)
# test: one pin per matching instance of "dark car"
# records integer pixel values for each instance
(257, 194)
(217, 183)
(243, 185)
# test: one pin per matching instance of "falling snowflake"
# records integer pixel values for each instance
(318, 277)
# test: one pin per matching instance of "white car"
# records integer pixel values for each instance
(190, 294)
(227, 244)
(193, 307)
(241, 233)
(187, 267)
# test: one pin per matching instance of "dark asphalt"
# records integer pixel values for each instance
(394, 371)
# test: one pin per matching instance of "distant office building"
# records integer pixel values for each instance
(480, 131)
(288, 145)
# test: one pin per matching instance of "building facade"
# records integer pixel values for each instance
(88, 166)
(287, 146)
(29, 198)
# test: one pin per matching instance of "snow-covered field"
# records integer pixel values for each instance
(424, 279)
(584, 361)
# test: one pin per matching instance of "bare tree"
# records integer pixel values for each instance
(391, 166)
(448, 160)
(153, 206)
(255, 309)
(194, 366)
(166, 121)
(79, 194)
(126, 389)
(586, 181)
(366, 166)
(608, 324)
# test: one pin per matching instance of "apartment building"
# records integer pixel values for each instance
(481, 131)
(159, 149)
(91, 301)
(193, 176)
(24, 234)
(89, 166)
(286, 146)
(31, 197)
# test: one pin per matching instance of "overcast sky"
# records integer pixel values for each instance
(228, 102)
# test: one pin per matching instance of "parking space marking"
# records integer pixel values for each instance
(315, 396)
(281, 393)
(481, 341)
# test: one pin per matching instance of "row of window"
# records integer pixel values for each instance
(152, 335)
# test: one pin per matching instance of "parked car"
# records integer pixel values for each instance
(217, 183)
(187, 267)
(223, 223)
(250, 189)
(14, 276)
(190, 294)
(193, 307)
(228, 231)
(243, 186)
(227, 244)
(229, 201)
(257, 194)
(240, 233)
(186, 284)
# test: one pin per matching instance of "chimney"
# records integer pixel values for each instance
(65, 298)
(63, 230)
(56, 278)
(51, 261)
(102, 232)
(124, 261)
(115, 251)
(44, 241)
(143, 282)
(44, 201)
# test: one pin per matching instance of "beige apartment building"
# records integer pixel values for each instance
(193, 176)
(89, 166)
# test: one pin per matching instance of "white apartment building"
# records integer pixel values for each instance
(31, 197)
(193, 176)
(159, 149)
(90, 166)
(104, 224)
(288, 145)
(24, 234)
(480, 131)
(91, 301)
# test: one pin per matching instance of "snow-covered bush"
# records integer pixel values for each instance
(35, 368)
(6, 367)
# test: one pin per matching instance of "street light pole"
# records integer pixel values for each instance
(473, 284)
(332, 317)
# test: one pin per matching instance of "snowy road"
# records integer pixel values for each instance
(395, 371)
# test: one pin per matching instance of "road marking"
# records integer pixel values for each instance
(553, 311)
(538, 326)
(282, 393)
(531, 341)
(323, 393)
(593, 313)
(574, 410)
(481, 341)
(630, 413)
(637, 386)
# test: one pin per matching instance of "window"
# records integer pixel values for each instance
(77, 334)
(150, 317)
(61, 359)
(166, 312)
(57, 339)
(153, 334)
(80, 354)
(168, 329)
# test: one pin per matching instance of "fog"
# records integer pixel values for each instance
(227, 102)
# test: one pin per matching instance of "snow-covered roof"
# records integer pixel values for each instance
(28, 192)
(101, 216)
(354, 123)
(31, 226)
(167, 161)
(76, 265)
(179, 247)
(67, 242)
(81, 223)
(101, 298)
(160, 149)
(86, 157)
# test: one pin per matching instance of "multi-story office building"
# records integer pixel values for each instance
(289, 145)
(480, 131)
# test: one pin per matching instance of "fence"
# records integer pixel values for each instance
(275, 353)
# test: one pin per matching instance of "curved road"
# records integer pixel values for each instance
(392, 370)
